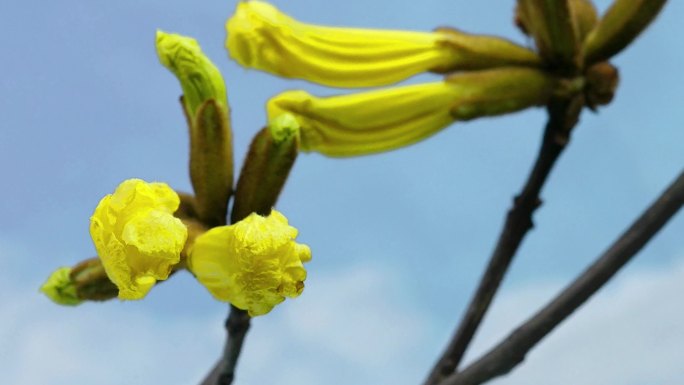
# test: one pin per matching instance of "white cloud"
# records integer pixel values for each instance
(337, 330)
(348, 327)
(112, 343)
(109, 344)
(354, 307)
(351, 327)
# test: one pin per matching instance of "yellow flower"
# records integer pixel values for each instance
(253, 264)
(60, 288)
(261, 37)
(382, 120)
(367, 122)
(199, 77)
(136, 236)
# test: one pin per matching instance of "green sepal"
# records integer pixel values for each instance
(480, 52)
(91, 281)
(584, 17)
(550, 23)
(619, 26)
(211, 162)
(500, 91)
(265, 171)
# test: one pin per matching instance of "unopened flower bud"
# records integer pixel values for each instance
(271, 156)
(602, 80)
(207, 111)
(584, 17)
(262, 37)
(198, 76)
(550, 23)
(60, 288)
(619, 26)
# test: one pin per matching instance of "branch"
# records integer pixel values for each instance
(237, 326)
(563, 115)
(512, 350)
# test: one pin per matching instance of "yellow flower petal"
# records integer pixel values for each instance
(261, 37)
(137, 237)
(253, 264)
(60, 288)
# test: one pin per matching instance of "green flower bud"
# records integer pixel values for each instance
(621, 24)
(60, 288)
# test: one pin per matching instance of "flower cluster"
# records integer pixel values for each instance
(496, 77)
(144, 232)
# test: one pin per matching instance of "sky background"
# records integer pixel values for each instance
(399, 240)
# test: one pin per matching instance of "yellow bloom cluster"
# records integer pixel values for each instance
(253, 264)
(262, 37)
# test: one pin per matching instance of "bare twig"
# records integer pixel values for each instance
(563, 115)
(237, 326)
(512, 350)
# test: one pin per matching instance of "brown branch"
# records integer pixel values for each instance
(512, 350)
(563, 115)
(237, 326)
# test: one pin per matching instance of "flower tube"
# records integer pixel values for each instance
(367, 122)
(383, 120)
(262, 37)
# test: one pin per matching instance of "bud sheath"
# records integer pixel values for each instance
(621, 24)
(267, 165)
(206, 108)
(550, 23)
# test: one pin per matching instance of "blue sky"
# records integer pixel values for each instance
(399, 239)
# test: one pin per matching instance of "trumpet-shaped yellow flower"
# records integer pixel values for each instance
(136, 236)
(382, 120)
(60, 288)
(253, 264)
(199, 77)
(367, 122)
(261, 37)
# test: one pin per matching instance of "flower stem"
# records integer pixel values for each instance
(237, 325)
(563, 115)
(511, 351)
